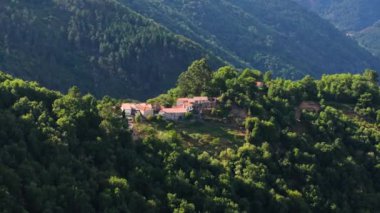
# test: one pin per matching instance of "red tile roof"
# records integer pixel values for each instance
(193, 100)
(203, 98)
(128, 106)
(140, 107)
(144, 107)
(184, 105)
(184, 99)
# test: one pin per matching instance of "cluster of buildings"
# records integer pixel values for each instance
(177, 112)
(198, 105)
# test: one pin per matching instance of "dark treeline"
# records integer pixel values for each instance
(73, 153)
(277, 35)
(101, 46)
(361, 23)
(137, 49)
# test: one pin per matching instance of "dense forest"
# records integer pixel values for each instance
(74, 153)
(100, 46)
(360, 18)
(137, 49)
(347, 15)
(276, 35)
(370, 38)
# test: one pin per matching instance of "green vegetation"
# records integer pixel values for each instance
(137, 49)
(370, 38)
(276, 35)
(358, 17)
(209, 136)
(347, 15)
(74, 153)
(100, 46)
(195, 80)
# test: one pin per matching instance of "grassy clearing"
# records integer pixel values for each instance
(205, 135)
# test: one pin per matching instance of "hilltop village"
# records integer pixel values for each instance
(182, 107)
(196, 105)
(76, 153)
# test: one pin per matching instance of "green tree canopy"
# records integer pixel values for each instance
(196, 80)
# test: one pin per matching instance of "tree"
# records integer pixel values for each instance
(220, 78)
(258, 131)
(196, 79)
(267, 76)
(371, 75)
(308, 88)
(364, 105)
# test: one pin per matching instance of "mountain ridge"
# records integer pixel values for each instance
(357, 18)
(265, 36)
(122, 49)
(113, 48)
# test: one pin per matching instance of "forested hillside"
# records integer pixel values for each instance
(100, 46)
(273, 35)
(107, 48)
(347, 15)
(74, 153)
(370, 38)
(358, 17)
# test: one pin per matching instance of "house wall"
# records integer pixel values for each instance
(147, 113)
(128, 112)
(173, 116)
(204, 105)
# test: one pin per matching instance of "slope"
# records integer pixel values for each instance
(74, 153)
(269, 35)
(346, 15)
(357, 17)
(370, 38)
(101, 46)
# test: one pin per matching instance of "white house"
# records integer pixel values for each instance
(131, 109)
(128, 109)
(146, 110)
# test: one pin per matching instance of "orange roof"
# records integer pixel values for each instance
(183, 99)
(144, 107)
(192, 100)
(200, 98)
(184, 105)
(128, 106)
(140, 107)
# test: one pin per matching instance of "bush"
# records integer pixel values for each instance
(138, 118)
(170, 125)
(188, 115)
